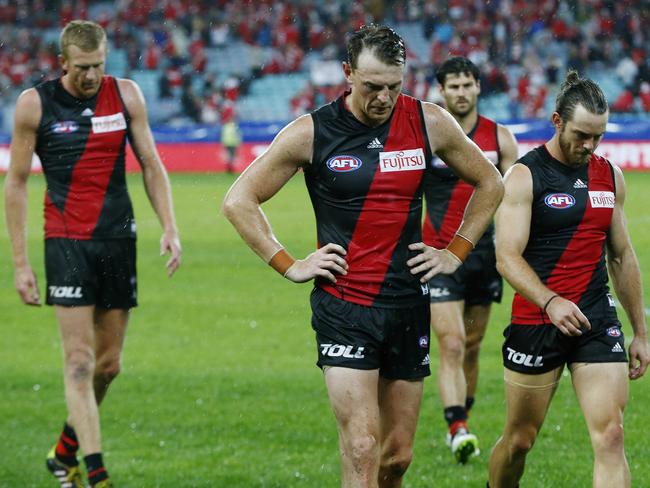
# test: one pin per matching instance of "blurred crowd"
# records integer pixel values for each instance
(523, 48)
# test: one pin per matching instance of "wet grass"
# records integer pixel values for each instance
(219, 387)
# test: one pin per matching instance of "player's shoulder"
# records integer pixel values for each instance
(29, 107)
(518, 182)
(29, 98)
(128, 87)
(299, 131)
(437, 117)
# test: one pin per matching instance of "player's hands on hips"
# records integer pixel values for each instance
(567, 317)
(326, 263)
(431, 261)
(27, 285)
(170, 243)
(639, 357)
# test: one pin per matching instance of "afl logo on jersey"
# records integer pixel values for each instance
(343, 164)
(559, 200)
(65, 127)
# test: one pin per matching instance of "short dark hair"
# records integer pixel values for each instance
(456, 66)
(86, 35)
(384, 42)
(575, 90)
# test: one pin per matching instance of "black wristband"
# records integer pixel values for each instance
(549, 301)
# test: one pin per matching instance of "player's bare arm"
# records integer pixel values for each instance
(512, 233)
(626, 278)
(155, 177)
(27, 118)
(508, 151)
(450, 143)
(291, 149)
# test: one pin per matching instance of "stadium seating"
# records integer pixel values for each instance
(266, 94)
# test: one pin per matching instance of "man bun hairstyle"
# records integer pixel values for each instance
(86, 35)
(383, 41)
(583, 91)
(456, 66)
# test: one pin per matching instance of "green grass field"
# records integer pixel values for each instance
(219, 386)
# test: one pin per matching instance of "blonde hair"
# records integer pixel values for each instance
(86, 35)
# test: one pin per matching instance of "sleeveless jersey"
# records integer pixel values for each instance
(365, 184)
(81, 144)
(571, 214)
(447, 195)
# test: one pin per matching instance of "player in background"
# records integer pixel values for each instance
(363, 157)
(461, 302)
(561, 226)
(78, 125)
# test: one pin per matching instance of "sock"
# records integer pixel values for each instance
(67, 446)
(469, 403)
(95, 467)
(455, 414)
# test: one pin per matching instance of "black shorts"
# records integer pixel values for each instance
(536, 349)
(393, 340)
(91, 272)
(476, 281)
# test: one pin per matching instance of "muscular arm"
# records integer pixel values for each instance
(508, 152)
(23, 142)
(626, 277)
(155, 177)
(512, 234)
(291, 149)
(448, 141)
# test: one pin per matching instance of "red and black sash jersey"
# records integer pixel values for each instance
(447, 195)
(365, 185)
(81, 144)
(571, 215)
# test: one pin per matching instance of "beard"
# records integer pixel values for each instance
(573, 158)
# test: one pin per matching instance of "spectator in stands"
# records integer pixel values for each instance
(190, 103)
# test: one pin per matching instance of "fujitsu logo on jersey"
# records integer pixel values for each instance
(559, 200)
(406, 160)
(108, 123)
(65, 291)
(602, 199)
(344, 163)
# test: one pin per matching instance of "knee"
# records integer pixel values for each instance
(362, 448)
(522, 442)
(79, 364)
(452, 347)
(107, 369)
(609, 438)
(472, 350)
(395, 464)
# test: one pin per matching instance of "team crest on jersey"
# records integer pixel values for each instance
(559, 200)
(614, 332)
(108, 123)
(602, 199)
(344, 163)
(65, 127)
(405, 160)
(423, 341)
